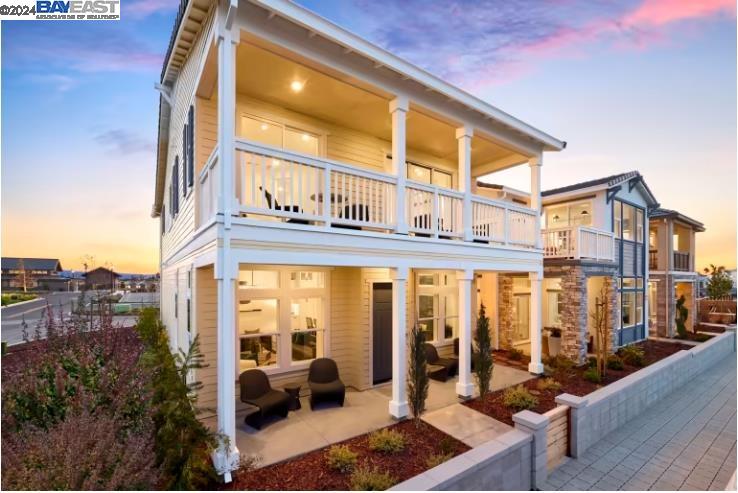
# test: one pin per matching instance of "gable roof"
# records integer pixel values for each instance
(103, 270)
(32, 263)
(605, 183)
(660, 213)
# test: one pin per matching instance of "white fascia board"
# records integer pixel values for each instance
(573, 194)
(353, 43)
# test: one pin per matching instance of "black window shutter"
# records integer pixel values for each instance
(175, 184)
(191, 145)
(185, 134)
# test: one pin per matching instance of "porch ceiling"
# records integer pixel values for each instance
(326, 95)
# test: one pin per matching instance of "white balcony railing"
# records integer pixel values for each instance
(579, 242)
(278, 185)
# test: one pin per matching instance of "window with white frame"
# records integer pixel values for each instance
(567, 215)
(430, 175)
(279, 135)
(437, 302)
(282, 316)
(554, 303)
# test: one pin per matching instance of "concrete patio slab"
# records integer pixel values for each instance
(465, 424)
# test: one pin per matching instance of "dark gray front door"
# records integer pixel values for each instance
(382, 328)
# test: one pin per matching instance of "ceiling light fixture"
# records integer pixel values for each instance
(264, 126)
(297, 86)
(305, 137)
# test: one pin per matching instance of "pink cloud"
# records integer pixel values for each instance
(662, 12)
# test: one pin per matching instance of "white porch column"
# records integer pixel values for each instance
(398, 405)
(226, 456)
(227, 42)
(464, 136)
(398, 108)
(465, 386)
(536, 322)
(535, 194)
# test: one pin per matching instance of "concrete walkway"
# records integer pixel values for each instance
(687, 441)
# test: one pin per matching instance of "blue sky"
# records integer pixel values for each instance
(641, 84)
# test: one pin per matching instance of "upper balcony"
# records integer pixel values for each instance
(315, 139)
(579, 242)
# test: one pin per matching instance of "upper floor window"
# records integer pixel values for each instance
(280, 136)
(628, 221)
(652, 240)
(568, 215)
(429, 175)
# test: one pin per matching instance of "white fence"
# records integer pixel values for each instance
(578, 242)
(278, 185)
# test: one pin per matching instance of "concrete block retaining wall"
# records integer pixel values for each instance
(604, 410)
(503, 463)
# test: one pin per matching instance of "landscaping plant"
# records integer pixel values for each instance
(602, 333)
(720, 284)
(592, 375)
(519, 398)
(633, 355)
(341, 458)
(386, 441)
(681, 317)
(548, 384)
(515, 354)
(183, 443)
(417, 382)
(614, 363)
(438, 459)
(366, 479)
(483, 363)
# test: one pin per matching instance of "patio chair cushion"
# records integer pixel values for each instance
(325, 384)
(431, 354)
(256, 390)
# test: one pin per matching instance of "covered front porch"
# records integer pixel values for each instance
(287, 316)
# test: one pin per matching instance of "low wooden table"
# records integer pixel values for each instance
(294, 392)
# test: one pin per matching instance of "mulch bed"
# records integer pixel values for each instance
(691, 336)
(505, 358)
(711, 328)
(572, 382)
(310, 472)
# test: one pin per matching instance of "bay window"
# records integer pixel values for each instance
(437, 301)
(282, 314)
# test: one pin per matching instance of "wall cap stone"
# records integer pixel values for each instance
(530, 419)
(572, 401)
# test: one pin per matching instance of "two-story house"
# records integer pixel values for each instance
(595, 246)
(29, 273)
(673, 273)
(316, 198)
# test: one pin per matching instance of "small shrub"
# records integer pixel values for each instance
(519, 398)
(483, 364)
(437, 459)
(548, 384)
(633, 355)
(592, 375)
(446, 445)
(417, 381)
(614, 363)
(365, 479)
(515, 354)
(341, 458)
(387, 441)
(591, 362)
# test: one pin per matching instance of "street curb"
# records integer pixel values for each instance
(22, 303)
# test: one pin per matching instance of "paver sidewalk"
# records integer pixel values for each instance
(687, 441)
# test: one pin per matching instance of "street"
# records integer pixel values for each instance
(33, 311)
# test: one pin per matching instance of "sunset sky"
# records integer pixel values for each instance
(647, 85)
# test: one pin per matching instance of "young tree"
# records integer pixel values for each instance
(602, 339)
(720, 283)
(483, 363)
(417, 382)
(681, 317)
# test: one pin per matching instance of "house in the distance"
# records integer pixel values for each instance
(673, 273)
(101, 278)
(29, 273)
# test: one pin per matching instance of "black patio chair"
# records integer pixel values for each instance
(257, 391)
(357, 212)
(274, 205)
(450, 364)
(325, 384)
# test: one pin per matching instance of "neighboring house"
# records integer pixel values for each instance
(34, 272)
(317, 197)
(101, 278)
(673, 273)
(595, 248)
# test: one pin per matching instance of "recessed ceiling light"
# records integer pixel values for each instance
(264, 126)
(305, 137)
(275, 162)
(297, 86)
